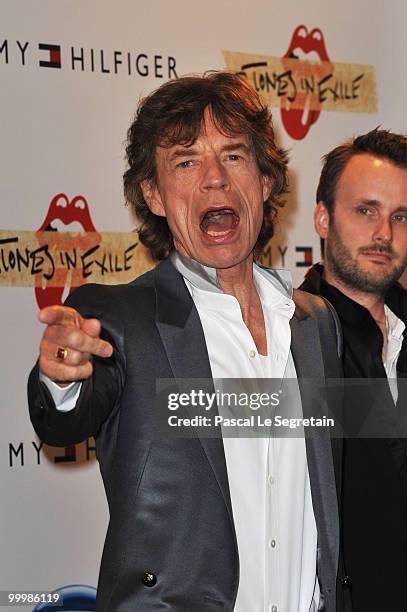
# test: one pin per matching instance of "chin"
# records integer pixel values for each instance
(226, 259)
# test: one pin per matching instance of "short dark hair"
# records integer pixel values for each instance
(380, 143)
(173, 114)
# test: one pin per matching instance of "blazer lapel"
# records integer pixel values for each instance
(307, 355)
(305, 346)
(182, 335)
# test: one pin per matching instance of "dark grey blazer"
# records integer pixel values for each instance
(169, 501)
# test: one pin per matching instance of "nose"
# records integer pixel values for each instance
(383, 231)
(214, 176)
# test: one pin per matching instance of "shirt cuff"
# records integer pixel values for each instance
(64, 397)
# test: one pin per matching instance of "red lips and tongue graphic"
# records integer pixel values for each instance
(297, 121)
(63, 211)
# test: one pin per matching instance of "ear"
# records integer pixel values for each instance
(321, 220)
(152, 197)
(266, 184)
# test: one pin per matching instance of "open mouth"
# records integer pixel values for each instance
(67, 215)
(219, 222)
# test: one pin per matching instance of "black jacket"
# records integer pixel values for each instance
(374, 486)
(171, 544)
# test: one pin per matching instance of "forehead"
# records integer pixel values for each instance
(213, 129)
(210, 135)
(369, 177)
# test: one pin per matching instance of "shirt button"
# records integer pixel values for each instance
(272, 608)
(252, 353)
(271, 480)
(272, 543)
(346, 582)
(149, 579)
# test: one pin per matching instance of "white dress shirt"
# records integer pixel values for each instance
(268, 476)
(395, 329)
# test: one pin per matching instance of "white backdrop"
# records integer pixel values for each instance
(62, 131)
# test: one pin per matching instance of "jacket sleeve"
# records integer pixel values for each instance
(100, 394)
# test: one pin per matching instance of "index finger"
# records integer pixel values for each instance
(60, 315)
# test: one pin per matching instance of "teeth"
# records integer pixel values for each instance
(67, 287)
(213, 233)
(305, 113)
(59, 225)
(311, 56)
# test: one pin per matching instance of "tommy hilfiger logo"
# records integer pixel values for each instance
(54, 54)
(87, 59)
(276, 254)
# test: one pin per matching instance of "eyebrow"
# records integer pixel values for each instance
(237, 146)
(192, 152)
(368, 202)
(185, 152)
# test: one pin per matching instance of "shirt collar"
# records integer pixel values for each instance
(354, 314)
(395, 326)
(274, 286)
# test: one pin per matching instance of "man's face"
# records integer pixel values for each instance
(366, 234)
(212, 195)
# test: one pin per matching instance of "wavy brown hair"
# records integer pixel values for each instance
(173, 114)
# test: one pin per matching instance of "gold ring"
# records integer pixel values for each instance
(62, 353)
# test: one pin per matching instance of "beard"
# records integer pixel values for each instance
(345, 267)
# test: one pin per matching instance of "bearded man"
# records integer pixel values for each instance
(361, 218)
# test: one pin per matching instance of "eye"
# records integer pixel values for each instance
(233, 157)
(400, 217)
(185, 164)
(364, 210)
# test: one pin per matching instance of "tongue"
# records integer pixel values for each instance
(219, 222)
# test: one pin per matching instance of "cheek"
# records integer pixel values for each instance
(252, 197)
(180, 224)
(400, 246)
(258, 210)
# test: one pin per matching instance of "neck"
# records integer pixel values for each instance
(238, 281)
(373, 302)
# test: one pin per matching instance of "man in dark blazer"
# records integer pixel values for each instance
(205, 177)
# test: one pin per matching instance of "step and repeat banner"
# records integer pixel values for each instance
(71, 75)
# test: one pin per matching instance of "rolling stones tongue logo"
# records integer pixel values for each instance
(64, 216)
(304, 45)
